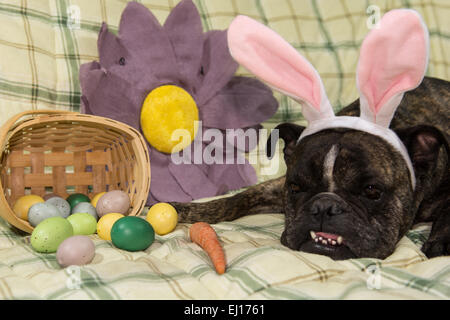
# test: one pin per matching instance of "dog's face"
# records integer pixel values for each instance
(348, 194)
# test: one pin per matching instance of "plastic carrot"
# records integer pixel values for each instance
(204, 235)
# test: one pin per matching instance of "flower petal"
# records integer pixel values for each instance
(192, 154)
(115, 57)
(84, 106)
(243, 139)
(184, 28)
(193, 180)
(110, 48)
(217, 63)
(243, 102)
(89, 76)
(233, 176)
(143, 36)
(164, 187)
(111, 96)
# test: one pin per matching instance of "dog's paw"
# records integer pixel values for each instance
(438, 244)
(436, 248)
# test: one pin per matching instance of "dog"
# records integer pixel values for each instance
(349, 193)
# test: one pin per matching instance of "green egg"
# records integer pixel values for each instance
(48, 234)
(76, 198)
(82, 223)
(132, 234)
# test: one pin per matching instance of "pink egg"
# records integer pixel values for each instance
(76, 250)
(115, 201)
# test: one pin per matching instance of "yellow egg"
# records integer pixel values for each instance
(105, 224)
(95, 198)
(24, 203)
(169, 118)
(163, 217)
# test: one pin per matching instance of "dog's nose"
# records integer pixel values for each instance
(325, 204)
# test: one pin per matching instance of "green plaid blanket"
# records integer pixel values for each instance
(259, 267)
(42, 45)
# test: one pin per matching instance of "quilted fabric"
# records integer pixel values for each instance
(42, 45)
(258, 267)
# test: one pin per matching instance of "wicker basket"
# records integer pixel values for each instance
(66, 152)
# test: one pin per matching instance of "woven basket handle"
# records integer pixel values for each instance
(34, 113)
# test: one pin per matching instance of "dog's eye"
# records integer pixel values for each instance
(122, 61)
(372, 192)
(295, 188)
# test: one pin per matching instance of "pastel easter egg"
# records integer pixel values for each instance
(105, 224)
(40, 211)
(163, 217)
(49, 234)
(85, 207)
(76, 250)
(113, 201)
(61, 204)
(82, 223)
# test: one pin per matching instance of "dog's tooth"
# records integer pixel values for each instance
(313, 234)
(333, 243)
(339, 240)
(320, 238)
(324, 242)
(316, 240)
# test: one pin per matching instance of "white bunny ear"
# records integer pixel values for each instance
(393, 60)
(269, 57)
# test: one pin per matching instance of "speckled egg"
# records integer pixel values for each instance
(82, 223)
(61, 204)
(49, 234)
(40, 211)
(85, 207)
(113, 201)
(75, 250)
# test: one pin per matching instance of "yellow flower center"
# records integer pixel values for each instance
(165, 111)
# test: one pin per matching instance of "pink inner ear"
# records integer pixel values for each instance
(268, 56)
(393, 58)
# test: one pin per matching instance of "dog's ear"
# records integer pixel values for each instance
(290, 133)
(423, 144)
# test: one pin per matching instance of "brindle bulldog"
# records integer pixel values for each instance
(349, 192)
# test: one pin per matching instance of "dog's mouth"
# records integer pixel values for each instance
(326, 239)
(329, 244)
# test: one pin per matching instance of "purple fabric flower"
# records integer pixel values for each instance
(144, 56)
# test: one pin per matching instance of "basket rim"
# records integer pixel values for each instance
(21, 120)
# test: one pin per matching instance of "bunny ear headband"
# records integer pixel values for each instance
(393, 60)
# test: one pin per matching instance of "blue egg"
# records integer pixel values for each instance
(40, 211)
(61, 204)
(85, 207)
